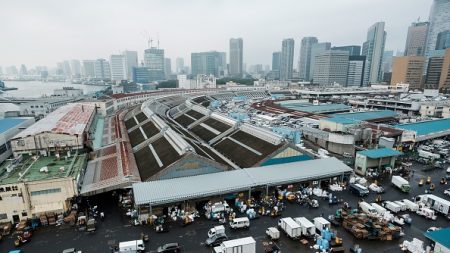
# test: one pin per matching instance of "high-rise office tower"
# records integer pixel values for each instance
(167, 67)
(236, 57)
(75, 67)
(444, 80)
(12, 71)
(434, 70)
(408, 69)
(373, 49)
(439, 21)
(208, 63)
(356, 67)
(331, 67)
(131, 61)
(287, 59)
(23, 70)
(416, 39)
(66, 69)
(317, 49)
(353, 50)
(276, 62)
(118, 67)
(154, 60)
(102, 69)
(304, 63)
(179, 65)
(386, 65)
(443, 40)
(88, 68)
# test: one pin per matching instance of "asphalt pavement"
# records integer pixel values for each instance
(116, 227)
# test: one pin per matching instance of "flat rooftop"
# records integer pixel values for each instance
(29, 168)
(380, 153)
(368, 115)
(308, 107)
(69, 119)
(426, 127)
(8, 123)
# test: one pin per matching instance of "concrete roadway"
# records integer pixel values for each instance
(116, 227)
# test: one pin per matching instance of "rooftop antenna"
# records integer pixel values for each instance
(150, 42)
(157, 37)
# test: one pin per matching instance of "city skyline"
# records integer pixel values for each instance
(67, 37)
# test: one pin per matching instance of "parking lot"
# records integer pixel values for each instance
(117, 227)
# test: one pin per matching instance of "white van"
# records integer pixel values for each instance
(243, 222)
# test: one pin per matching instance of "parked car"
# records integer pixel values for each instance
(216, 240)
(169, 248)
(71, 250)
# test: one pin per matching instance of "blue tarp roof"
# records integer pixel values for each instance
(369, 115)
(8, 123)
(380, 152)
(344, 121)
(426, 127)
(441, 236)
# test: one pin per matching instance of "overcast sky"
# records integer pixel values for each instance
(44, 32)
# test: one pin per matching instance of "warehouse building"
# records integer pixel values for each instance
(424, 130)
(9, 127)
(67, 128)
(150, 197)
(376, 159)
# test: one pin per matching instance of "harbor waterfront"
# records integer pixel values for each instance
(31, 89)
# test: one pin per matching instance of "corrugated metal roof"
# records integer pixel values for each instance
(426, 127)
(368, 115)
(441, 236)
(343, 121)
(380, 152)
(179, 189)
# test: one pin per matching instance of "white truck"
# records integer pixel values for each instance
(367, 208)
(242, 245)
(308, 228)
(131, 246)
(290, 227)
(436, 203)
(411, 206)
(427, 213)
(401, 183)
(380, 210)
(321, 223)
(403, 206)
(428, 155)
(391, 206)
(216, 230)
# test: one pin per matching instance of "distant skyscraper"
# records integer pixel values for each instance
(408, 69)
(416, 39)
(352, 50)
(131, 61)
(386, 65)
(287, 59)
(12, 71)
(236, 57)
(331, 66)
(75, 67)
(443, 40)
(180, 65)
(167, 67)
(317, 49)
(23, 70)
(356, 69)
(66, 69)
(154, 60)
(102, 69)
(444, 80)
(373, 49)
(88, 68)
(141, 75)
(118, 67)
(276, 61)
(208, 63)
(439, 21)
(304, 63)
(434, 70)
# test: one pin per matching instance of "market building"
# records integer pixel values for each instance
(9, 127)
(375, 159)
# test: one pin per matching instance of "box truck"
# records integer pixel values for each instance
(321, 223)
(380, 210)
(436, 203)
(242, 245)
(367, 208)
(290, 227)
(391, 206)
(401, 183)
(131, 246)
(402, 205)
(411, 206)
(308, 228)
(216, 230)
